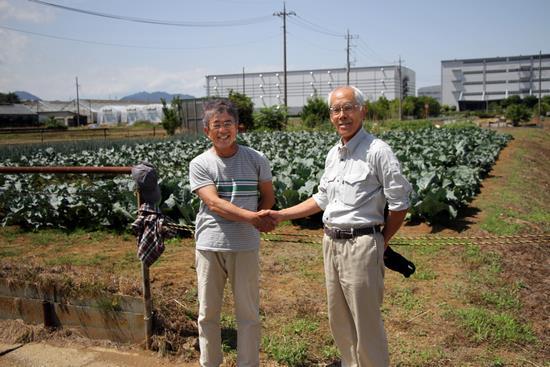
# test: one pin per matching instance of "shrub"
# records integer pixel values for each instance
(315, 112)
(245, 106)
(271, 118)
(54, 124)
(517, 113)
(173, 116)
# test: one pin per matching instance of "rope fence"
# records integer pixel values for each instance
(533, 238)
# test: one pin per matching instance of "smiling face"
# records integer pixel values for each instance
(222, 131)
(346, 114)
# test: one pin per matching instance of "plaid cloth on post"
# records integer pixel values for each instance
(148, 230)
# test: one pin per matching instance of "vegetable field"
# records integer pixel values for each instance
(444, 165)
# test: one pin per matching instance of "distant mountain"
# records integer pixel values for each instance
(154, 97)
(26, 96)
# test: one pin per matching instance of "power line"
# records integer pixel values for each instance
(221, 23)
(135, 46)
(314, 27)
(318, 47)
(367, 47)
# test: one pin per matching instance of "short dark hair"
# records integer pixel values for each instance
(217, 106)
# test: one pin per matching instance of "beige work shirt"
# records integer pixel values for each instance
(359, 178)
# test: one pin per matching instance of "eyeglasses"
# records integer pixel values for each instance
(226, 124)
(346, 108)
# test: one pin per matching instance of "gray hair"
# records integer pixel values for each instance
(357, 94)
(218, 106)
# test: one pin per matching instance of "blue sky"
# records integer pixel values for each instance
(43, 48)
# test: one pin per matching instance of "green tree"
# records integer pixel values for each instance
(271, 118)
(315, 112)
(517, 113)
(408, 106)
(245, 106)
(434, 108)
(515, 99)
(380, 109)
(530, 101)
(9, 98)
(173, 115)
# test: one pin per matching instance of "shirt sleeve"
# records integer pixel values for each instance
(265, 169)
(198, 175)
(396, 187)
(321, 196)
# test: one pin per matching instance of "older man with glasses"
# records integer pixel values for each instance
(233, 183)
(361, 176)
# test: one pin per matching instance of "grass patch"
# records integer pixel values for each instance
(10, 252)
(502, 299)
(425, 274)
(522, 199)
(290, 351)
(404, 298)
(74, 259)
(496, 328)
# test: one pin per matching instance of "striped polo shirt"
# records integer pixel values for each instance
(236, 179)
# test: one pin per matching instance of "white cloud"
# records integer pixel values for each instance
(12, 46)
(25, 11)
(113, 83)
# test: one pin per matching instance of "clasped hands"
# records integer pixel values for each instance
(266, 220)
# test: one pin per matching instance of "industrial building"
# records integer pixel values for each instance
(433, 91)
(473, 83)
(266, 89)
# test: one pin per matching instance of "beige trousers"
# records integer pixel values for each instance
(354, 272)
(242, 269)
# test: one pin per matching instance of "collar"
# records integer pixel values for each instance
(354, 142)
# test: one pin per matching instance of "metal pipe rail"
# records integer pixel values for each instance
(66, 169)
(147, 299)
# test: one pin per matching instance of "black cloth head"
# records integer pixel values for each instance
(145, 176)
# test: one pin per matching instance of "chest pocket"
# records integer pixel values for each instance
(355, 187)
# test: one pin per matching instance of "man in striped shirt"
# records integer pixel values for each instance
(233, 182)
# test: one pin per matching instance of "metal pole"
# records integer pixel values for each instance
(77, 105)
(284, 15)
(400, 92)
(540, 84)
(284, 50)
(243, 81)
(347, 58)
(66, 169)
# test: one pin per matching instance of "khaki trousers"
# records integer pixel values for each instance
(354, 272)
(242, 269)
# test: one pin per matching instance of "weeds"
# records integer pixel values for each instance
(496, 328)
(289, 351)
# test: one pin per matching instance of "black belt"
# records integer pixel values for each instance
(344, 234)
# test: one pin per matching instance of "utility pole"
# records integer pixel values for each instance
(284, 14)
(243, 81)
(540, 81)
(77, 105)
(348, 48)
(400, 92)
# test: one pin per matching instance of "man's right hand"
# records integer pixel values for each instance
(263, 222)
(274, 216)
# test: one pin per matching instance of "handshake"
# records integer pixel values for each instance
(266, 220)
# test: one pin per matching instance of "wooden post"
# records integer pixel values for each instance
(147, 299)
(148, 306)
